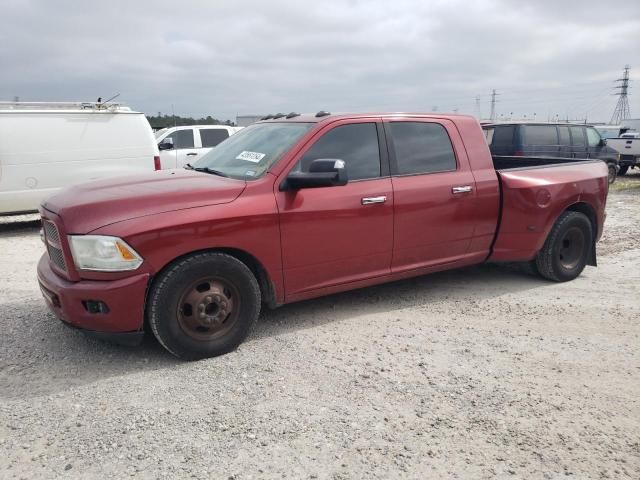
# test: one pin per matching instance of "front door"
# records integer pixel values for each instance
(336, 235)
(436, 202)
(184, 149)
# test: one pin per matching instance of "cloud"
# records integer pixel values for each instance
(228, 58)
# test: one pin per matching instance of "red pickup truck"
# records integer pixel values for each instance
(300, 206)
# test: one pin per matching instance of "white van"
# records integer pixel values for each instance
(46, 146)
(181, 145)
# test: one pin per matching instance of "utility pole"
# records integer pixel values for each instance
(622, 112)
(493, 104)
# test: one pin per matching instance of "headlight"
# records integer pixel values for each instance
(102, 253)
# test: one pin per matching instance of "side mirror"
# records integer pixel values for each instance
(165, 145)
(323, 172)
(603, 142)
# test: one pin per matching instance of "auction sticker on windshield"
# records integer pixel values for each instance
(254, 157)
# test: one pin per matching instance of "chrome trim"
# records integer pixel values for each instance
(372, 200)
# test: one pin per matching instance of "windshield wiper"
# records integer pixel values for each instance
(188, 166)
(210, 170)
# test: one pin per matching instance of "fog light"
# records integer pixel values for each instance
(95, 306)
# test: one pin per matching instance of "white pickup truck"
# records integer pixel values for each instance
(626, 142)
(181, 145)
(628, 145)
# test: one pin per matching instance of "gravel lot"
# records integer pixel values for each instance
(477, 373)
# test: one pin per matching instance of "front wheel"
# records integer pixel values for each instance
(567, 248)
(203, 305)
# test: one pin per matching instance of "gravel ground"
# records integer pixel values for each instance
(477, 373)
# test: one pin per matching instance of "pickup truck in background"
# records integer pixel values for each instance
(628, 145)
(304, 206)
(181, 145)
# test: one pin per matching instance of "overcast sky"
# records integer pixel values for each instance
(225, 58)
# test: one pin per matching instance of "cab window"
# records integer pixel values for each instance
(355, 144)
(180, 139)
(421, 147)
(593, 137)
(212, 136)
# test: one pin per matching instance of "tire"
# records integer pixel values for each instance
(203, 305)
(567, 248)
(613, 172)
(623, 170)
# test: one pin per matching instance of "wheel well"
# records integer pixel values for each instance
(267, 290)
(586, 209)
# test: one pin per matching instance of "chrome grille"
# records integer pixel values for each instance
(54, 246)
(51, 232)
(57, 257)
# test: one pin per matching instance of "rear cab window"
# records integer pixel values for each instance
(211, 137)
(421, 147)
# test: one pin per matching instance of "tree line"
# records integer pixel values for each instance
(164, 121)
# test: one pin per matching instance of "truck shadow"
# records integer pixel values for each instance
(472, 283)
(40, 356)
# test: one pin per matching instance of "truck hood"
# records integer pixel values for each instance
(92, 205)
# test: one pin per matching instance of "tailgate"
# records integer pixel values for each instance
(533, 198)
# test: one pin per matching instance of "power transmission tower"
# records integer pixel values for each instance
(622, 112)
(493, 104)
(478, 109)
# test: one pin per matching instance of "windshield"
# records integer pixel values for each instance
(249, 153)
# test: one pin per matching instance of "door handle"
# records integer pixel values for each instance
(372, 200)
(191, 154)
(463, 189)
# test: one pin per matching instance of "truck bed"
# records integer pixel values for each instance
(535, 191)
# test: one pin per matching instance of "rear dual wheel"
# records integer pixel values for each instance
(567, 249)
(203, 305)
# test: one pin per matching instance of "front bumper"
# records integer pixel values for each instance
(71, 303)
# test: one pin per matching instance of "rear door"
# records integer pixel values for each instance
(335, 235)
(434, 193)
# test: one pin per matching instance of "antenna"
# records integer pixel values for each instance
(621, 111)
(100, 104)
(493, 104)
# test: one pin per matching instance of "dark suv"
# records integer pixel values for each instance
(560, 140)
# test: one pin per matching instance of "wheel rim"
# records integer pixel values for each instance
(571, 248)
(208, 308)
